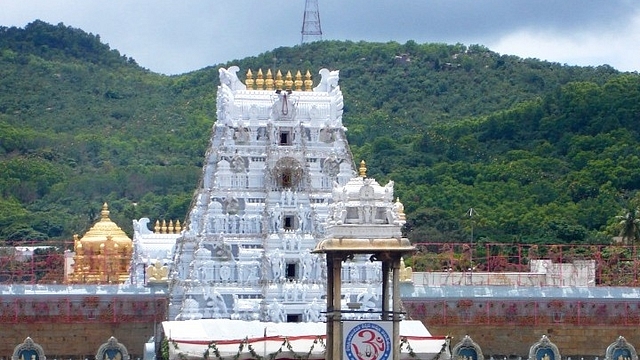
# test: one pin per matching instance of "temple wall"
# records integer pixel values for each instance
(499, 327)
(74, 326)
(509, 340)
(75, 340)
(582, 327)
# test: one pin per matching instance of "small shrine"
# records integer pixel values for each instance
(364, 219)
(102, 255)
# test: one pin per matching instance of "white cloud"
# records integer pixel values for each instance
(617, 47)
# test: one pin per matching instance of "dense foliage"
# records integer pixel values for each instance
(543, 152)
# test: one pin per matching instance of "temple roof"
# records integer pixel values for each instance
(105, 228)
(365, 246)
(364, 219)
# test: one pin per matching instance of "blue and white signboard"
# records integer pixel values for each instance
(367, 340)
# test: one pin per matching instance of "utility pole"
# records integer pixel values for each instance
(311, 30)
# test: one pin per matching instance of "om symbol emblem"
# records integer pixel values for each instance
(367, 341)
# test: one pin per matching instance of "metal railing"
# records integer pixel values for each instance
(615, 265)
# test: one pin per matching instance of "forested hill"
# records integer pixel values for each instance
(542, 151)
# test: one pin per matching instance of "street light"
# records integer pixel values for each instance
(471, 212)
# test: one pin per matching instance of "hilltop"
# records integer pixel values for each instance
(544, 152)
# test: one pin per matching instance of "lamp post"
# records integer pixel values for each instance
(471, 212)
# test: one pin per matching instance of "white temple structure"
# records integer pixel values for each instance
(277, 152)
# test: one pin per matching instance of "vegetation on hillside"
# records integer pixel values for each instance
(543, 152)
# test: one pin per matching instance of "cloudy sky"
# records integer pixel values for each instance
(177, 36)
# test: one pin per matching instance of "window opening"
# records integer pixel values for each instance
(291, 271)
(285, 139)
(288, 222)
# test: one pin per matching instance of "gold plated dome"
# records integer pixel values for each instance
(105, 228)
(103, 254)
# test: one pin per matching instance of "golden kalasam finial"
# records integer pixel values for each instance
(308, 83)
(178, 227)
(363, 169)
(268, 82)
(105, 211)
(288, 81)
(298, 82)
(164, 227)
(260, 81)
(249, 82)
(156, 228)
(279, 81)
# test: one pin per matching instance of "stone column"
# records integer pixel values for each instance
(334, 304)
(385, 290)
(396, 306)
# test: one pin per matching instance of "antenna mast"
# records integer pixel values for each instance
(311, 30)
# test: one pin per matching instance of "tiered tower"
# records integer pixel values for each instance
(277, 152)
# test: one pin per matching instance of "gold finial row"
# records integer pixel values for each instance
(288, 83)
(170, 229)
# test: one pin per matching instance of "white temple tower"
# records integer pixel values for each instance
(277, 149)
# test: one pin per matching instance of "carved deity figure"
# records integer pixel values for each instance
(215, 301)
(277, 265)
(307, 265)
(190, 310)
(326, 135)
(312, 312)
(367, 298)
(277, 312)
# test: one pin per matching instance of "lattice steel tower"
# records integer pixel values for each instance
(311, 30)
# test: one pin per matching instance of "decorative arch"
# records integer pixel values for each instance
(467, 349)
(28, 350)
(288, 173)
(544, 350)
(112, 350)
(621, 350)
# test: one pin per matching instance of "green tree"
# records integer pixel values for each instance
(629, 225)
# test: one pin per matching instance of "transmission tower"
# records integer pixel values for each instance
(311, 30)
